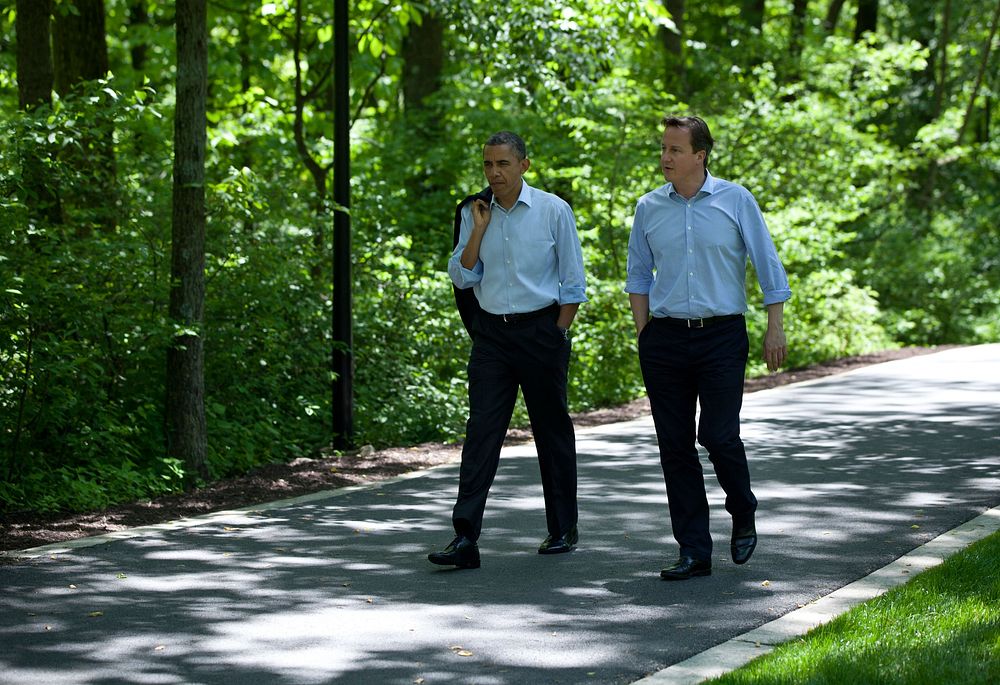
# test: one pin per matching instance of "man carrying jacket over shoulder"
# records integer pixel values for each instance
(521, 255)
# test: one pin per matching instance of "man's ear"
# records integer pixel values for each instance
(525, 163)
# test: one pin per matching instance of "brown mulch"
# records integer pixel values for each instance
(304, 476)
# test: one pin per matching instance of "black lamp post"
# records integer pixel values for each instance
(343, 357)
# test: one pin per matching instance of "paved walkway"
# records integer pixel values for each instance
(852, 472)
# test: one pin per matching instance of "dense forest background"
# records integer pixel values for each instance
(863, 127)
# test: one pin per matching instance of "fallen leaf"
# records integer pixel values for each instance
(766, 583)
(159, 648)
(915, 526)
(418, 681)
(95, 614)
(229, 528)
(370, 600)
(72, 587)
(464, 652)
(121, 576)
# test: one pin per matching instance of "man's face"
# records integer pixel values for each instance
(503, 170)
(678, 161)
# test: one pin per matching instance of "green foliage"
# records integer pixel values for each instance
(880, 184)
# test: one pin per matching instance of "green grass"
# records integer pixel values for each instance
(943, 626)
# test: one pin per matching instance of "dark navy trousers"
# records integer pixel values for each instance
(682, 368)
(533, 355)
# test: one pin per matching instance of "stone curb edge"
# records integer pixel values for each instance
(740, 650)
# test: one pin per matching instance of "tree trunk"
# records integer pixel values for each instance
(981, 74)
(34, 88)
(752, 42)
(423, 60)
(833, 15)
(317, 171)
(753, 14)
(867, 19)
(34, 61)
(79, 45)
(138, 18)
(185, 403)
(673, 44)
(798, 30)
(80, 53)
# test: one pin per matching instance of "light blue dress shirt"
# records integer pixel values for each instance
(689, 256)
(530, 256)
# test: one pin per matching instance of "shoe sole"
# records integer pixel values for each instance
(462, 564)
(556, 551)
(693, 574)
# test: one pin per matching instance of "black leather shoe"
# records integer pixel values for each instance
(560, 545)
(687, 567)
(743, 543)
(462, 552)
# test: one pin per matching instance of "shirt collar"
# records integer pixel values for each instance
(525, 196)
(708, 187)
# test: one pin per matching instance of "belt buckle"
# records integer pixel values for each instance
(696, 323)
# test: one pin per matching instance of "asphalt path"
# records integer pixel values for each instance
(852, 472)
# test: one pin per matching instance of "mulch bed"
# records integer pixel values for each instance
(305, 476)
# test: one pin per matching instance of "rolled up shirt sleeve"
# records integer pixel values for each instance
(639, 266)
(770, 273)
(464, 278)
(572, 279)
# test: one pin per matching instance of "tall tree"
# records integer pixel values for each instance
(79, 44)
(138, 18)
(798, 29)
(34, 89)
(981, 73)
(867, 19)
(753, 45)
(833, 15)
(423, 59)
(80, 54)
(306, 93)
(185, 402)
(673, 44)
(753, 13)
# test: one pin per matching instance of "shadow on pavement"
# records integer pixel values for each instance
(851, 472)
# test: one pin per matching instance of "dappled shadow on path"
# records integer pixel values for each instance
(851, 473)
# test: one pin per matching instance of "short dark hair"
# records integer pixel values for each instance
(514, 141)
(701, 137)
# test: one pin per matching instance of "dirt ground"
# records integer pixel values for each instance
(304, 476)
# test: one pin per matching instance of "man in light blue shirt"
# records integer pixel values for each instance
(687, 256)
(521, 255)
